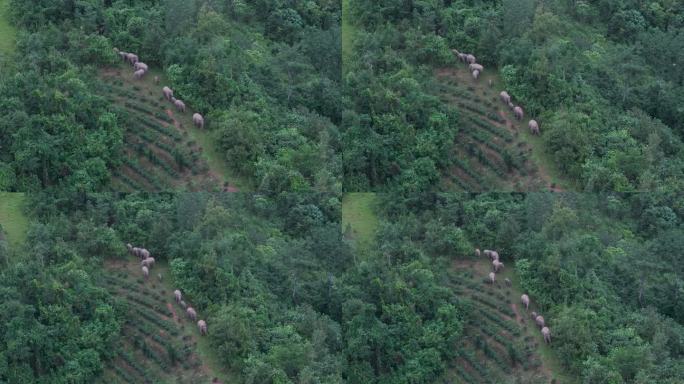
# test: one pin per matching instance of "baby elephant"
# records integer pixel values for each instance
(497, 265)
(183, 304)
(526, 301)
(177, 295)
(533, 315)
(540, 321)
(477, 252)
(507, 281)
(534, 127)
(547, 334)
(492, 277)
(202, 325)
(191, 313)
(146, 272)
(476, 74)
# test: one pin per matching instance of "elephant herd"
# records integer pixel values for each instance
(190, 311)
(147, 262)
(524, 299)
(476, 69)
(141, 69)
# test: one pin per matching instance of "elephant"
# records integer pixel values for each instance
(474, 67)
(492, 277)
(139, 74)
(547, 334)
(461, 56)
(540, 321)
(123, 55)
(179, 105)
(177, 295)
(149, 262)
(191, 313)
(198, 120)
(497, 265)
(507, 281)
(487, 253)
(136, 251)
(518, 112)
(505, 97)
(471, 59)
(129, 247)
(202, 325)
(533, 315)
(146, 272)
(534, 127)
(141, 65)
(477, 252)
(526, 301)
(132, 58)
(476, 74)
(495, 255)
(183, 304)
(168, 93)
(156, 79)
(144, 253)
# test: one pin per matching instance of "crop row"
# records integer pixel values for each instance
(501, 307)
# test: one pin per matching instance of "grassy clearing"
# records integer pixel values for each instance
(7, 31)
(12, 217)
(358, 216)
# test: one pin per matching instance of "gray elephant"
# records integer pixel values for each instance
(534, 127)
(177, 295)
(183, 304)
(477, 67)
(191, 313)
(471, 59)
(198, 120)
(149, 262)
(487, 253)
(533, 315)
(526, 301)
(179, 105)
(518, 112)
(136, 251)
(144, 253)
(132, 58)
(540, 321)
(141, 65)
(202, 325)
(546, 332)
(146, 272)
(168, 93)
(492, 277)
(123, 55)
(494, 255)
(497, 265)
(139, 74)
(508, 282)
(505, 97)
(476, 74)
(129, 248)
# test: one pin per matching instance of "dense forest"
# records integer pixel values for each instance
(265, 74)
(604, 78)
(289, 298)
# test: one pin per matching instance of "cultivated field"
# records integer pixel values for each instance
(493, 151)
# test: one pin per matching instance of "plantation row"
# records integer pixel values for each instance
(495, 345)
(152, 346)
